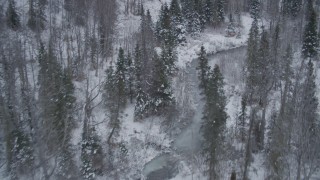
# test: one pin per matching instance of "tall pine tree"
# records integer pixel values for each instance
(214, 120)
(203, 69)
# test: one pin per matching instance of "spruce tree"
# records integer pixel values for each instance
(111, 98)
(22, 153)
(169, 57)
(12, 17)
(120, 75)
(242, 119)
(310, 38)
(142, 100)
(198, 8)
(214, 120)
(91, 151)
(160, 89)
(254, 8)
(231, 29)
(208, 11)
(251, 61)
(177, 23)
(203, 69)
(164, 30)
(219, 11)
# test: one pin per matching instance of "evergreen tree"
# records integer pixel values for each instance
(190, 10)
(264, 66)
(12, 17)
(280, 135)
(169, 57)
(175, 8)
(251, 61)
(142, 100)
(66, 166)
(142, 104)
(120, 75)
(203, 69)
(310, 38)
(138, 64)
(208, 11)
(214, 120)
(177, 22)
(111, 98)
(198, 8)
(164, 30)
(22, 154)
(242, 119)
(219, 11)
(231, 28)
(50, 82)
(274, 51)
(160, 89)
(147, 38)
(285, 65)
(254, 8)
(91, 151)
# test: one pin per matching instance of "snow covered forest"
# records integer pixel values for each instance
(159, 89)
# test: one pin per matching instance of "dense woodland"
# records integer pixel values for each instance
(51, 50)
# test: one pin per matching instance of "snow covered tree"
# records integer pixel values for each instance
(22, 154)
(120, 75)
(142, 100)
(203, 69)
(57, 108)
(12, 17)
(219, 11)
(254, 8)
(242, 119)
(305, 136)
(281, 123)
(231, 28)
(160, 89)
(146, 40)
(214, 120)
(251, 61)
(111, 98)
(91, 155)
(164, 30)
(169, 57)
(208, 11)
(190, 10)
(198, 8)
(177, 22)
(310, 38)
(116, 93)
(274, 55)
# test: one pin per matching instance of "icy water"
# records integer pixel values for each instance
(164, 167)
